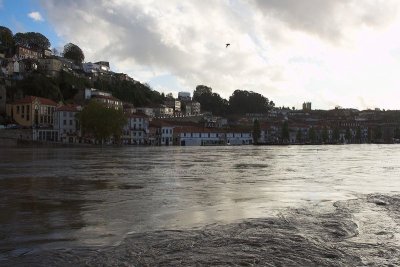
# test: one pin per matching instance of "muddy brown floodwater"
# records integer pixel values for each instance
(230, 206)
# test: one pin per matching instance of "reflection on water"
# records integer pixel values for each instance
(67, 197)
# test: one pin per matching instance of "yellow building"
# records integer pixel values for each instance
(32, 111)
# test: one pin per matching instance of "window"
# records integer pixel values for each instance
(27, 117)
(17, 109)
(70, 122)
(27, 109)
(65, 122)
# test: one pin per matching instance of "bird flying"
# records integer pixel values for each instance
(227, 45)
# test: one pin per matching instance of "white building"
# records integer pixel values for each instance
(239, 138)
(163, 111)
(195, 136)
(66, 123)
(147, 111)
(192, 108)
(90, 92)
(136, 130)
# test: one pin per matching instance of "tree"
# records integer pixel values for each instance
(325, 135)
(39, 85)
(348, 135)
(358, 135)
(200, 90)
(33, 40)
(256, 131)
(73, 52)
(285, 132)
(299, 136)
(312, 135)
(6, 39)
(102, 122)
(242, 102)
(378, 134)
(336, 134)
(209, 101)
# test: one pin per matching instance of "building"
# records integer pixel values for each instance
(192, 108)
(175, 104)
(91, 68)
(237, 137)
(3, 96)
(128, 108)
(92, 92)
(67, 124)
(51, 66)
(136, 130)
(198, 136)
(147, 111)
(161, 133)
(24, 53)
(103, 65)
(307, 106)
(163, 111)
(32, 111)
(108, 101)
(184, 96)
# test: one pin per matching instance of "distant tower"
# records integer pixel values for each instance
(307, 106)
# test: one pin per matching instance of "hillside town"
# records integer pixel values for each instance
(180, 121)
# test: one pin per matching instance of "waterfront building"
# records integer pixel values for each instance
(32, 111)
(67, 124)
(136, 130)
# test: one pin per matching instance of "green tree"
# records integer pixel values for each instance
(242, 102)
(33, 40)
(256, 131)
(312, 135)
(74, 52)
(285, 132)
(6, 39)
(209, 101)
(348, 135)
(299, 136)
(378, 133)
(325, 135)
(369, 135)
(336, 134)
(102, 122)
(38, 84)
(358, 135)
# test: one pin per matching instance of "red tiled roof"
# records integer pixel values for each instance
(30, 99)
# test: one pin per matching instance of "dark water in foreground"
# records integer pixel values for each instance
(91, 198)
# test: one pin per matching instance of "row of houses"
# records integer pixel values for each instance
(53, 122)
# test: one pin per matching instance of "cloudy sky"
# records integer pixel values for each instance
(331, 52)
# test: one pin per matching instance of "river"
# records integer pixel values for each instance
(93, 197)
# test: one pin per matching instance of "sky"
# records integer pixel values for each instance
(332, 53)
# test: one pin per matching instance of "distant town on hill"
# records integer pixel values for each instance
(56, 97)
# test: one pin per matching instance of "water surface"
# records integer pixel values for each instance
(85, 197)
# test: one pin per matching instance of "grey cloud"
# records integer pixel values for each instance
(328, 19)
(186, 38)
